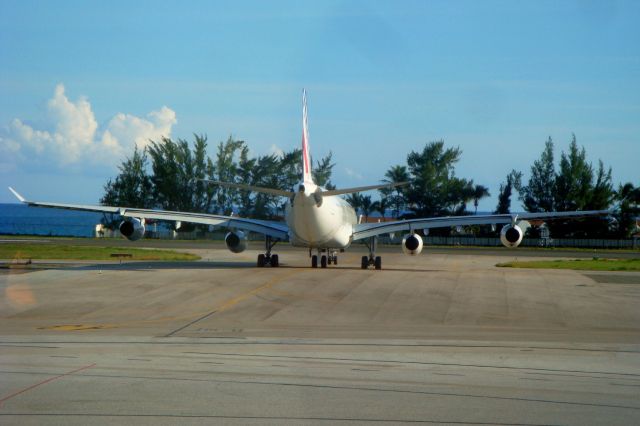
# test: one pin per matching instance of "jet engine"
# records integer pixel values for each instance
(236, 241)
(511, 236)
(132, 229)
(412, 244)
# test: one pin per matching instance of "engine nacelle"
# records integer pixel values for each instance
(236, 241)
(132, 229)
(511, 236)
(412, 244)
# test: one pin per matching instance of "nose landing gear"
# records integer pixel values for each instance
(325, 259)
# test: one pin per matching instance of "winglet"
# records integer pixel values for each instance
(18, 196)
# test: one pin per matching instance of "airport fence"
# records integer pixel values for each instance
(628, 243)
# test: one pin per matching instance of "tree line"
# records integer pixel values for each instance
(167, 173)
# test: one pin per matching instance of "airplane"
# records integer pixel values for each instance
(315, 218)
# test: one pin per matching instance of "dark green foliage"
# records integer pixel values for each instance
(397, 196)
(574, 181)
(381, 206)
(355, 200)
(506, 188)
(176, 169)
(434, 189)
(322, 172)
(538, 195)
(366, 205)
(573, 187)
(290, 169)
(226, 170)
(627, 209)
(171, 181)
(479, 192)
(132, 187)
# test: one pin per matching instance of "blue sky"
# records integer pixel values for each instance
(82, 82)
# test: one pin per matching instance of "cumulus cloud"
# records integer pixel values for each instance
(73, 136)
(139, 131)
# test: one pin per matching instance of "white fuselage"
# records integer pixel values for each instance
(324, 224)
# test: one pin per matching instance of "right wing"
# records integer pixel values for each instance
(366, 230)
(277, 230)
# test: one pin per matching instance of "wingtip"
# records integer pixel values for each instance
(18, 196)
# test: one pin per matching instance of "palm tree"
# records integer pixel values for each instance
(381, 206)
(479, 192)
(397, 174)
(366, 205)
(355, 200)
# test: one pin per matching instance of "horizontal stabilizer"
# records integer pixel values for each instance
(272, 191)
(361, 189)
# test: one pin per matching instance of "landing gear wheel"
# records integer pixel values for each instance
(314, 261)
(260, 260)
(275, 262)
(378, 262)
(323, 261)
(329, 260)
(335, 260)
(365, 262)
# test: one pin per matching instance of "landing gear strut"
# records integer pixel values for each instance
(325, 259)
(372, 259)
(267, 258)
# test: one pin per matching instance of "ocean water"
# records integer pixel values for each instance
(19, 219)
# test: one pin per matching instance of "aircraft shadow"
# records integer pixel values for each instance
(154, 265)
(147, 266)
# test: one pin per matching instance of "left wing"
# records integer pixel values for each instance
(277, 230)
(366, 230)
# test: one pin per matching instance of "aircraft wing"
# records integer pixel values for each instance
(366, 230)
(277, 230)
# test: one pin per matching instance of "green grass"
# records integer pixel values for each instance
(70, 252)
(578, 264)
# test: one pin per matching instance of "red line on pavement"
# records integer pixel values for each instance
(51, 379)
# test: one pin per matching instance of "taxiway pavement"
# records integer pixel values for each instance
(439, 338)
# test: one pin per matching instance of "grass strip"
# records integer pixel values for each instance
(23, 251)
(578, 264)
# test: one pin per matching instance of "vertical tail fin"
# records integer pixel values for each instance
(306, 158)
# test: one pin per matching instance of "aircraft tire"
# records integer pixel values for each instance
(365, 262)
(275, 262)
(314, 261)
(260, 260)
(335, 260)
(378, 263)
(323, 261)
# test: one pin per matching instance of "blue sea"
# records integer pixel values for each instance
(19, 219)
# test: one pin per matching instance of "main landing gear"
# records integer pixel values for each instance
(267, 258)
(325, 259)
(372, 259)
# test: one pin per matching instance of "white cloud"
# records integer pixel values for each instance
(74, 137)
(276, 150)
(353, 174)
(131, 130)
